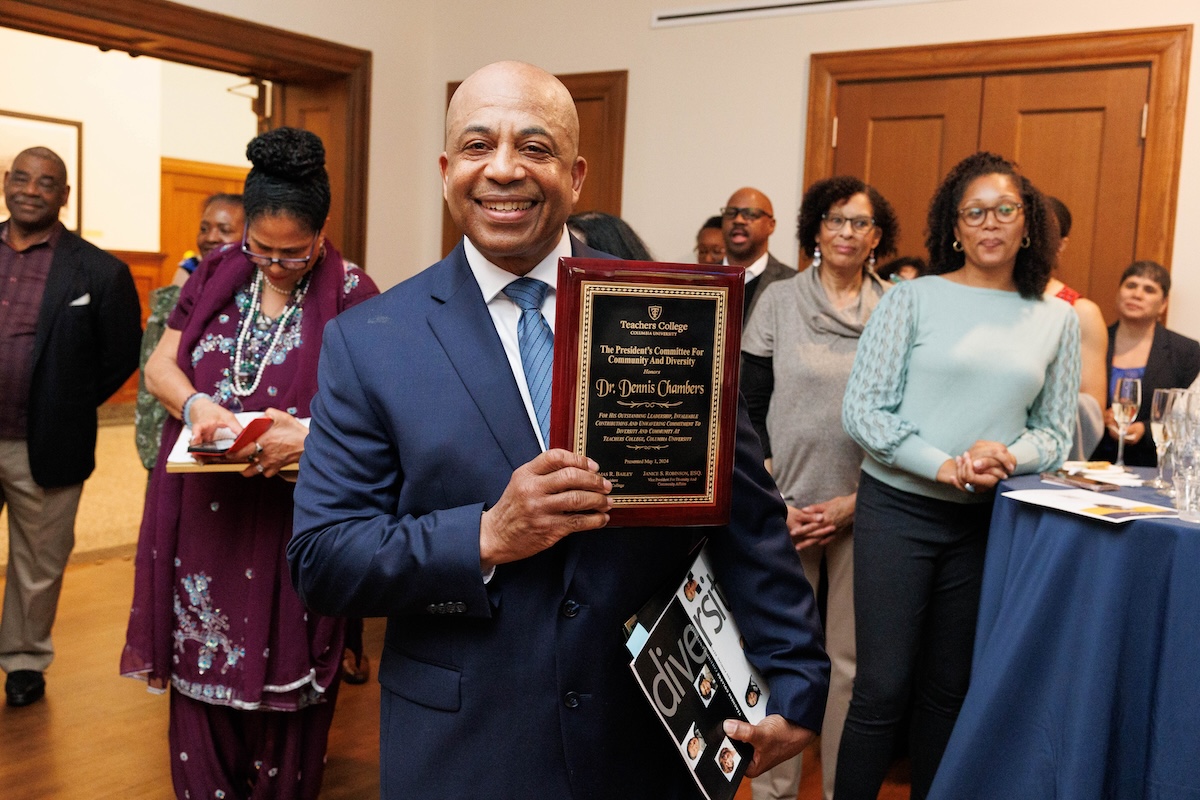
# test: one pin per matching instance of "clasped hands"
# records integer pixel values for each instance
(818, 523)
(979, 469)
(282, 444)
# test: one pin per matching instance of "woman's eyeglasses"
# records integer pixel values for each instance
(287, 263)
(835, 222)
(973, 216)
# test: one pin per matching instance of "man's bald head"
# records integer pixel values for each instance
(747, 221)
(517, 83)
(511, 171)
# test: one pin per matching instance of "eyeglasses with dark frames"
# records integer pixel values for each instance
(287, 263)
(835, 222)
(751, 214)
(973, 216)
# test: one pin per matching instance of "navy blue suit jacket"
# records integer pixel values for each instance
(519, 687)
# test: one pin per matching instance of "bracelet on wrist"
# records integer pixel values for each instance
(187, 406)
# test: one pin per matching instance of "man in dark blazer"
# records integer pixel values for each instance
(426, 495)
(70, 327)
(747, 222)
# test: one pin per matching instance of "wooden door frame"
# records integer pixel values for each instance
(187, 35)
(1167, 51)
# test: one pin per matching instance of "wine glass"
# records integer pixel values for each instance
(1160, 407)
(1127, 399)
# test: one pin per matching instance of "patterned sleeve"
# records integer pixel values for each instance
(877, 380)
(1051, 425)
(358, 285)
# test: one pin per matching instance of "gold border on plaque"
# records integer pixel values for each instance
(590, 289)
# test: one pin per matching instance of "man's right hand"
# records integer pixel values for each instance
(555, 494)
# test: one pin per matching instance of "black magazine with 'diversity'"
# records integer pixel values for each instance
(688, 660)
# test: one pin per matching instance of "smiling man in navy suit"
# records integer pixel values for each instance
(427, 495)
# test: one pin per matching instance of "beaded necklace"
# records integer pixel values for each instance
(237, 385)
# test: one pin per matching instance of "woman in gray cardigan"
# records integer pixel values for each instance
(797, 352)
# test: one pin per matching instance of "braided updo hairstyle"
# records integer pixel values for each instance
(288, 177)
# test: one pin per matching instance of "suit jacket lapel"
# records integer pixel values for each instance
(465, 330)
(1158, 368)
(56, 295)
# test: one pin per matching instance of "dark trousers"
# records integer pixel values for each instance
(918, 567)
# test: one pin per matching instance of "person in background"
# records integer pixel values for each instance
(428, 494)
(1140, 346)
(252, 673)
(747, 222)
(797, 352)
(221, 223)
(1093, 343)
(904, 268)
(961, 379)
(710, 242)
(69, 332)
(608, 234)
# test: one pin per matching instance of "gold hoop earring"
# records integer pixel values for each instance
(957, 246)
(1025, 243)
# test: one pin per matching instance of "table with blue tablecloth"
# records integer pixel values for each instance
(1086, 675)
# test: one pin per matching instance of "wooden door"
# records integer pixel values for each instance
(322, 109)
(600, 102)
(1095, 119)
(902, 137)
(185, 187)
(1078, 136)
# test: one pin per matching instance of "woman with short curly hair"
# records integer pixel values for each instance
(797, 352)
(962, 378)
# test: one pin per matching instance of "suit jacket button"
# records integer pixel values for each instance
(460, 608)
(571, 700)
(431, 608)
(570, 608)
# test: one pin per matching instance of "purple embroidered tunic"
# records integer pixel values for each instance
(214, 613)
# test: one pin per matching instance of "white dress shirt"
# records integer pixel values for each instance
(506, 314)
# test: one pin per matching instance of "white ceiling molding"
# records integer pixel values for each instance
(759, 9)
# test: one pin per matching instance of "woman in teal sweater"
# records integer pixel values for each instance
(961, 378)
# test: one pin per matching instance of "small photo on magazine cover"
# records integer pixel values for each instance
(752, 694)
(728, 759)
(693, 744)
(691, 588)
(705, 685)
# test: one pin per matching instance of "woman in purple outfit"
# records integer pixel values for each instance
(214, 615)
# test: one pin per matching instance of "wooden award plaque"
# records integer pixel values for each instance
(646, 360)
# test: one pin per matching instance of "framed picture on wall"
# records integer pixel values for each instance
(63, 136)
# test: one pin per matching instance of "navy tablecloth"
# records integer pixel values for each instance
(1086, 675)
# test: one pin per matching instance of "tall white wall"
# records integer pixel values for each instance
(201, 120)
(711, 107)
(134, 111)
(117, 100)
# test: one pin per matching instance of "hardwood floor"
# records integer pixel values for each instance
(98, 735)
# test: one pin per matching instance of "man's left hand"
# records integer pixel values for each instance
(775, 740)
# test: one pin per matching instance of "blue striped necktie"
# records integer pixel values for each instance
(536, 342)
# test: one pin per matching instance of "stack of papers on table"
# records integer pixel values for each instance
(1102, 471)
(1096, 505)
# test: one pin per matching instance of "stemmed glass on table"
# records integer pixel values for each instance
(1126, 400)
(1160, 409)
